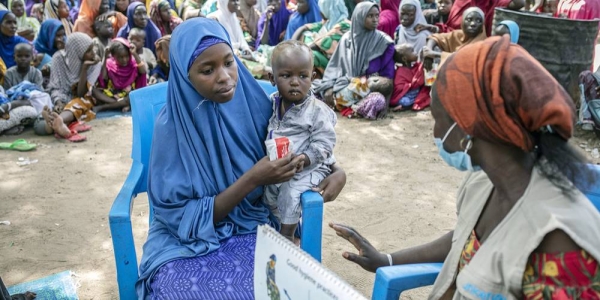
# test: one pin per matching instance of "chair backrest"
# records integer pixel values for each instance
(146, 103)
(593, 192)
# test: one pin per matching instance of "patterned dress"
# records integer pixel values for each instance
(324, 41)
(561, 276)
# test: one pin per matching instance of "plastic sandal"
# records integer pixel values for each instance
(18, 145)
(79, 126)
(73, 137)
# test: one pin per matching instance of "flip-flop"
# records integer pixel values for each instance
(79, 126)
(18, 145)
(73, 137)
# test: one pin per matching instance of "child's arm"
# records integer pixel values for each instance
(141, 65)
(104, 72)
(322, 136)
(100, 96)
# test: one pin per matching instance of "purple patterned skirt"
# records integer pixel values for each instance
(227, 273)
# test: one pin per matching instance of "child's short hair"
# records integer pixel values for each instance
(136, 31)
(24, 46)
(290, 45)
(116, 46)
(400, 52)
(99, 24)
(382, 85)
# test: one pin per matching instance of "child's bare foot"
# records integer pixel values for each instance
(59, 126)
(47, 115)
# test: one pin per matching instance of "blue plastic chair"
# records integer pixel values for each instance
(390, 282)
(146, 103)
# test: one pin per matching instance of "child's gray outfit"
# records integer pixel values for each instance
(13, 77)
(310, 128)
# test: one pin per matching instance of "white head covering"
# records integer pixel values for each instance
(408, 35)
(231, 23)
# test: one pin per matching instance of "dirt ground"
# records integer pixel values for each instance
(399, 194)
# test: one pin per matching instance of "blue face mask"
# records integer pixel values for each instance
(459, 160)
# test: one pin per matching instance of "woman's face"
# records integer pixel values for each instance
(104, 7)
(276, 5)
(121, 5)
(18, 8)
(233, 5)
(302, 6)
(8, 27)
(165, 13)
(214, 73)
(372, 19)
(89, 54)
(408, 13)
(63, 9)
(472, 24)
(444, 7)
(140, 17)
(59, 39)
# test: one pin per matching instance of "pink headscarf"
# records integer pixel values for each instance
(389, 18)
(120, 76)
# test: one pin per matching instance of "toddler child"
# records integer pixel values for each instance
(123, 71)
(410, 91)
(160, 73)
(309, 125)
(24, 69)
(137, 37)
(104, 33)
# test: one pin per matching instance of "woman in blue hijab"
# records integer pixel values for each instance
(207, 169)
(307, 12)
(137, 16)
(51, 37)
(8, 37)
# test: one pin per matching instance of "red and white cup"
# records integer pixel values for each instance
(278, 147)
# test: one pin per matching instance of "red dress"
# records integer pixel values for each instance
(406, 79)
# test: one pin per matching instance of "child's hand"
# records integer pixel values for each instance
(107, 52)
(152, 80)
(267, 172)
(132, 48)
(302, 162)
(89, 63)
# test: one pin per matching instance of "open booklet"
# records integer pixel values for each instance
(284, 271)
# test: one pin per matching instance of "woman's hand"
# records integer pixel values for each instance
(106, 15)
(328, 98)
(267, 172)
(331, 186)
(89, 63)
(368, 257)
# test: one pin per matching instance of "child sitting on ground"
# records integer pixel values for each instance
(137, 37)
(160, 73)
(23, 70)
(376, 104)
(104, 33)
(309, 125)
(123, 71)
(410, 91)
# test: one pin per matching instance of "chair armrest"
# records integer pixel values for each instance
(312, 223)
(122, 236)
(390, 282)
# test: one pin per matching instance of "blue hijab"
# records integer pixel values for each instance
(152, 32)
(513, 29)
(297, 19)
(44, 43)
(8, 43)
(199, 149)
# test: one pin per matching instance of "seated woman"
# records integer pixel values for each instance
(410, 91)
(441, 45)
(323, 37)
(524, 229)
(123, 71)
(26, 27)
(97, 9)
(58, 10)
(437, 18)
(248, 16)
(226, 16)
(160, 14)
(411, 17)
(75, 71)
(206, 194)
(8, 31)
(362, 52)
(272, 24)
(307, 12)
(454, 21)
(137, 17)
(389, 17)
(50, 39)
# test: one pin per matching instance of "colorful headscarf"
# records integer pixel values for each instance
(231, 23)
(334, 10)
(8, 43)
(122, 77)
(513, 30)
(408, 34)
(199, 149)
(44, 43)
(88, 13)
(297, 19)
(505, 94)
(277, 25)
(152, 32)
(155, 7)
(24, 22)
(51, 12)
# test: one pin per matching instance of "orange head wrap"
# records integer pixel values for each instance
(496, 91)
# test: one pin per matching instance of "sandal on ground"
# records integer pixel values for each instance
(73, 137)
(18, 145)
(79, 126)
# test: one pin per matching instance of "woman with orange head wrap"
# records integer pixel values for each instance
(524, 229)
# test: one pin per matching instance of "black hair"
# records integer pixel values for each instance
(136, 31)
(290, 45)
(20, 45)
(117, 46)
(98, 24)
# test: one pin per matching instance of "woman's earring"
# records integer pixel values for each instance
(468, 139)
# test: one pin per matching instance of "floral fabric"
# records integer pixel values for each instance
(324, 41)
